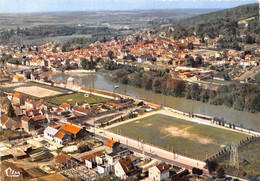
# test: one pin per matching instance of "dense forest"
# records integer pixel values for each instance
(224, 23)
(238, 96)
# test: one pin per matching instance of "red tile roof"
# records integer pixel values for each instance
(162, 167)
(17, 94)
(25, 118)
(92, 155)
(60, 135)
(70, 128)
(80, 110)
(39, 117)
(64, 105)
(62, 158)
(127, 165)
(110, 143)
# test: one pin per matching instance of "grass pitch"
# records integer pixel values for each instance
(188, 138)
(76, 97)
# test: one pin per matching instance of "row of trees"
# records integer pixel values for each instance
(88, 64)
(237, 96)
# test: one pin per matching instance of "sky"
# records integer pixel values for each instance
(17, 6)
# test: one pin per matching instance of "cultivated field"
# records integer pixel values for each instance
(76, 97)
(37, 91)
(188, 138)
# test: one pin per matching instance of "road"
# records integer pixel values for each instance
(251, 73)
(150, 151)
(153, 155)
(170, 159)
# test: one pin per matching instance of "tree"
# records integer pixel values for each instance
(255, 107)
(190, 46)
(221, 173)
(67, 62)
(83, 63)
(10, 112)
(191, 61)
(226, 76)
(110, 54)
(28, 75)
(199, 60)
(249, 39)
(197, 171)
(211, 165)
(239, 103)
(137, 38)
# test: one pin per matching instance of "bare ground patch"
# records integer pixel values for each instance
(177, 132)
(37, 91)
(148, 124)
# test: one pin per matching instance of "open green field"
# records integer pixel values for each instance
(249, 162)
(76, 97)
(186, 137)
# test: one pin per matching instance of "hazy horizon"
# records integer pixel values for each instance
(45, 6)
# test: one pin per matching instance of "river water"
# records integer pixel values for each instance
(103, 81)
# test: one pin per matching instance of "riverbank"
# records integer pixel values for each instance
(233, 95)
(79, 71)
(14, 66)
(103, 81)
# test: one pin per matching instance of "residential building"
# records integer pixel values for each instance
(115, 156)
(124, 168)
(111, 146)
(159, 172)
(50, 132)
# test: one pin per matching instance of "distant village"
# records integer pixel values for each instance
(192, 59)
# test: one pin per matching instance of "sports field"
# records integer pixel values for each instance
(37, 91)
(76, 97)
(185, 137)
(33, 89)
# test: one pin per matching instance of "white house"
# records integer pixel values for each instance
(61, 137)
(115, 156)
(50, 132)
(105, 169)
(30, 104)
(159, 172)
(76, 87)
(124, 168)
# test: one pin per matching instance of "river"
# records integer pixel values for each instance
(103, 81)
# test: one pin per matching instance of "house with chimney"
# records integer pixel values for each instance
(124, 168)
(159, 172)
